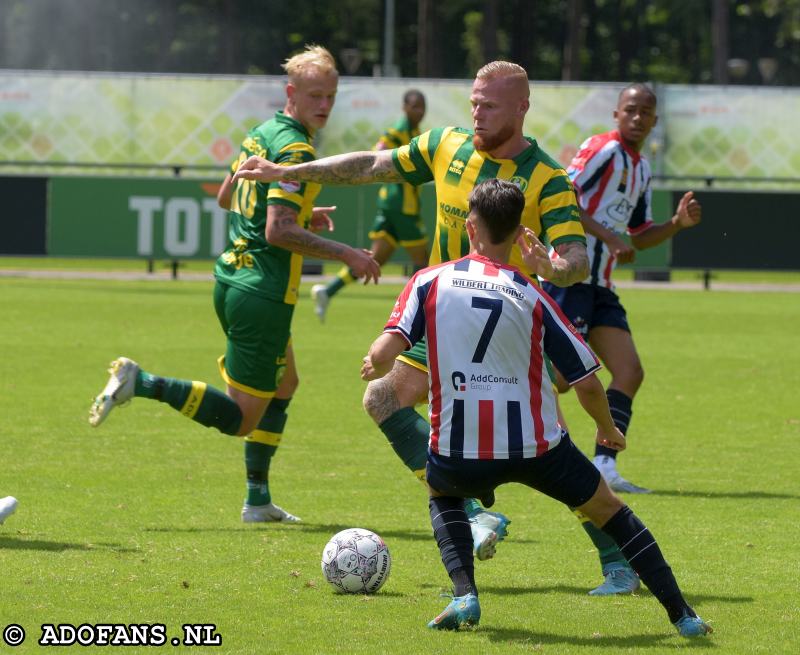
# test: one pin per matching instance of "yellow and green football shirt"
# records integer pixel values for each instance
(251, 263)
(448, 157)
(402, 198)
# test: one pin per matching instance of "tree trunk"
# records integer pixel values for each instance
(571, 67)
(489, 31)
(719, 40)
(428, 62)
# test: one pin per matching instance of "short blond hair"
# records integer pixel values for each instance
(504, 69)
(313, 60)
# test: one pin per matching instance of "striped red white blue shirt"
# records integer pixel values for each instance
(612, 183)
(487, 328)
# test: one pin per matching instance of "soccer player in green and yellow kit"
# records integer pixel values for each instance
(456, 160)
(398, 221)
(257, 278)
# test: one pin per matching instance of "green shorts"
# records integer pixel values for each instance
(399, 229)
(258, 332)
(417, 357)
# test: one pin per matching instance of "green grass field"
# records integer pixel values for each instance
(138, 521)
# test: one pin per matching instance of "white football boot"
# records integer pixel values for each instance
(269, 513)
(8, 506)
(608, 469)
(118, 390)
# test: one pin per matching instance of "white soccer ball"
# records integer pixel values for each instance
(356, 561)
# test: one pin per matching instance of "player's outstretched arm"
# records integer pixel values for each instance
(572, 264)
(688, 214)
(283, 231)
(381, 355)
(351, 168)
(592, 397)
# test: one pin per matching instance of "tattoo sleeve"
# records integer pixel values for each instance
(284, 232)
(572, 265)
(350, 168)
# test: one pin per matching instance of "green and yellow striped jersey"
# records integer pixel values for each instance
(448, 157)
(403, 198)
(251, 263)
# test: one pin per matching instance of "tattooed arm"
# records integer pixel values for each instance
(284, 232)
(572, 264)
(351, 168)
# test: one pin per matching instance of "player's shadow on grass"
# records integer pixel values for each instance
(13, 543)
(407, 535)
(743, 495)
(695, 599)
(331, 529)
(535, 638)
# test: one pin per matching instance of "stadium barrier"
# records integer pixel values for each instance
(176, 219)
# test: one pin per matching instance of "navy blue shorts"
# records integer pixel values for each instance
(563, 473)
(589, 306)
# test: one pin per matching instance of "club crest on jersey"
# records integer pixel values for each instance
(289, 187)
(520, 182)
(456, 167)
(459, 381)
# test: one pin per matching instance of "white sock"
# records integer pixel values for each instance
(605, 463)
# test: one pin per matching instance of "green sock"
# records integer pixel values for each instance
(259, 447)
(195, 400)
(343, 277)
(607, 548)
(408, 433)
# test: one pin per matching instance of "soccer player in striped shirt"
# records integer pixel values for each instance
(456, 160)
(612, 183)
(257, 279)
(492, 407)
(398, 221)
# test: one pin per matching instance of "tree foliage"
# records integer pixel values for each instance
(658, 40)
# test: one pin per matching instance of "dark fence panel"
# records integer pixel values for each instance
(757, 230)
(23, 215)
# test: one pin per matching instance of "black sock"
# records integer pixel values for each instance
(454, 538)
(642, 552)
(621, 413)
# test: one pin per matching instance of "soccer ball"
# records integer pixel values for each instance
(356, 561)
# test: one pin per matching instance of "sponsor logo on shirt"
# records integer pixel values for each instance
(486, 381)
(456, 167)
(466, 283)
(459, 381)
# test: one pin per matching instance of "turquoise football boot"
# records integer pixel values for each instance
(462, 612)
(692, 626)
(620, 578)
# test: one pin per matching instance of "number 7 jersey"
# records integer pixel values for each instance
(487, 328)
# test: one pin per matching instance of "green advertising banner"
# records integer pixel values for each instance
(136, 217)
(178, 219)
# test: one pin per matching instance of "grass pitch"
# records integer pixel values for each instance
(138, 521)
